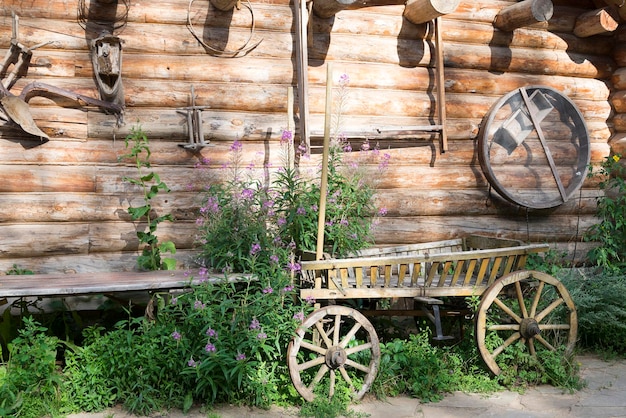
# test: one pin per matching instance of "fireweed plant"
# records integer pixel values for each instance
(242, 217)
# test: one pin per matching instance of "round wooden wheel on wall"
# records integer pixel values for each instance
(333, 342)
(528, 308)
(533, 147)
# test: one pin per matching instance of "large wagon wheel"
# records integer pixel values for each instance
(334, 340)
(530, 307)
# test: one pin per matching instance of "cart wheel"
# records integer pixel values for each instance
(529, 306)
(330, 340)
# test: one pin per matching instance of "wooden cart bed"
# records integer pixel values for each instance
(458, 267)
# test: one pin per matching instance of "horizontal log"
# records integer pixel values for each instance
(90, 207)
(109, 179)
(418, 202)
(30, 240)
(362, 75)
(434, 228)
(90, 263)
(270, 14)
(184, 206)
(524, 13)
(68, 155)
(21, 178)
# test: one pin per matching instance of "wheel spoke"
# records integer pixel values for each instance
(357, 366)
(320, 329)
(337, 330)
(331, 390)
(345, 376)
(318, 376)
(520, 300)
(311, 363)
(533, 308)
(549, 309)
(507, 310)
(531, 346)
(554, 326)
(357, 326)
(544, 342)
(358, 348)
(313, 347)
(506, 343)
(503, 327)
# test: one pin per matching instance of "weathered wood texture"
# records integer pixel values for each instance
(63, 202)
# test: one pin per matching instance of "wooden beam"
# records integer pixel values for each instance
(302, 68)
(524, 13)
(441, 87)
(597, 22)
(422, 11)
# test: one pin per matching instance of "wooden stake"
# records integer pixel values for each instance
(441, 86)
(302, 64)
(321, 220)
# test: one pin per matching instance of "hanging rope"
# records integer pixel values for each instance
(228, 53)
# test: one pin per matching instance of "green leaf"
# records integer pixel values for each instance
(138, 212)
(167, 247)
(168, 264)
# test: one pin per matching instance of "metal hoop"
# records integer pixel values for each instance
(230, 53)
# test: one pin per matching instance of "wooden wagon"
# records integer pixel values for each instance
(516, 305)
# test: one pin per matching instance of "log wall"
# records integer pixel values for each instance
(63, 202)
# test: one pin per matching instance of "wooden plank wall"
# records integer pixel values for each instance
(63, 202)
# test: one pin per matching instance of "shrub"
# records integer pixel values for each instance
(601, 309)
(31, 383)
(610, 232)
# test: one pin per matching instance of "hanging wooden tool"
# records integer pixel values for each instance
(106, 58)
(194, 123)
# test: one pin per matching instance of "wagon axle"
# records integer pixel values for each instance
(529, 328)
(336, 357)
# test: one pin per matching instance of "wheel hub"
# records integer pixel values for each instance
(529, 328)
(336, 357)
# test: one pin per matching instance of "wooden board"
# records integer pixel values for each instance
(49, 285)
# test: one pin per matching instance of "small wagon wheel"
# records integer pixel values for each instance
(334, 340)
(530, 307)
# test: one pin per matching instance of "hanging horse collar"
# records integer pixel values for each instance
(106, 57)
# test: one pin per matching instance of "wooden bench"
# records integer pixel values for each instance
(61, 284)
